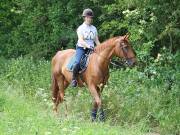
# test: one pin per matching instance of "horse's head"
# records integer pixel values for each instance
(124, 50)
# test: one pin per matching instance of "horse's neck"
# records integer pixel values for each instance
(106, 55)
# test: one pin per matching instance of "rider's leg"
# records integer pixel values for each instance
(79, 53)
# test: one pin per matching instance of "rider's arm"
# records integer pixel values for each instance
(82, 42)
(97, 40)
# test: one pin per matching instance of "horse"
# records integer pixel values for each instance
(96, 74)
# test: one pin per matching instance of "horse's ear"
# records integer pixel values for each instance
(126, 37)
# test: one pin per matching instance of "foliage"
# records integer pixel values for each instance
(152, 24)
(149, 99)
(40, 28)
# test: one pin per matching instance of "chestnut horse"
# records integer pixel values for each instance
(96, 74)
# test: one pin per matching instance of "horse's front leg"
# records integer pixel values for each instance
(101, 111)
(95, 92)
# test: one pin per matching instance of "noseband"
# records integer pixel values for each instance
(125, 53)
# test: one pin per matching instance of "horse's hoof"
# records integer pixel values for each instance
(93, 115)
(55, 112)
(74, 83)
(101, 115)
(101, 119)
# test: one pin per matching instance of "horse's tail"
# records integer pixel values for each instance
(54, 87)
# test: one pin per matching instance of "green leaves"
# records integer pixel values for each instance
(43, 27)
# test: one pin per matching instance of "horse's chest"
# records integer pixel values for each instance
(101, 78)
(95, 74)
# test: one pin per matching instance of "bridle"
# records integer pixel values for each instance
(128, 60)
(125, 51)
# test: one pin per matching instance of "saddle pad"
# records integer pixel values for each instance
(83, 63)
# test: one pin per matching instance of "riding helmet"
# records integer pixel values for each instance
(88, 12)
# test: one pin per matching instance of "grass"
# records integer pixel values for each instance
(22, 115)
(134, 102)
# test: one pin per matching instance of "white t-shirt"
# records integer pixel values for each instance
(89, 33)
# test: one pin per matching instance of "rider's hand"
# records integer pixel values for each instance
(91, 48)
(86, 46)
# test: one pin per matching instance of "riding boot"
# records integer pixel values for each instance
(75, 74)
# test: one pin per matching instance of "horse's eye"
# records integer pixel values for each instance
(122, 45)
(125, 48)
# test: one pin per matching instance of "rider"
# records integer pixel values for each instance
(87, 35)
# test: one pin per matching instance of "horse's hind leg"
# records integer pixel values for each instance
(66, 84)
(60, 94)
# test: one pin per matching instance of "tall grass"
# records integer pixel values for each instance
(134, 102)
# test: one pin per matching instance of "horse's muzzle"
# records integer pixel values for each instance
(131, 62)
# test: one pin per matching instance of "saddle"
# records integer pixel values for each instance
(83, 62)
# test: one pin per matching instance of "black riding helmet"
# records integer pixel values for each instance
(88, 12)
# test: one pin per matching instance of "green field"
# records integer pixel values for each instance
(134, 104)
(21, 115)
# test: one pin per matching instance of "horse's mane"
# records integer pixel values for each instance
(105, 44)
